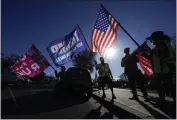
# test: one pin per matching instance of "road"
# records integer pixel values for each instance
(147, 108)
(42, 103)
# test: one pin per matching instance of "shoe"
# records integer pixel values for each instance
(103, 96)
(133, 98)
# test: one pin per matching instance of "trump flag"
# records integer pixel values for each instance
(63, 50)
(31, 64)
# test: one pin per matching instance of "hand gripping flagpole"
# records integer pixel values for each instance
(123, 29)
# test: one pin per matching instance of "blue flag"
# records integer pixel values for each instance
(63, 50)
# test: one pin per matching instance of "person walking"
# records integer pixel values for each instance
(163, 62)
(134, 74)
(105, 76)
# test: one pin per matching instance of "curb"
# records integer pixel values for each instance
(123, 111)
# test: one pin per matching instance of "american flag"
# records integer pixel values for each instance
(104, 33)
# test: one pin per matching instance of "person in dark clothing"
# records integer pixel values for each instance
(62, 73)
(56, 75)
(163, 63)
(134, 74)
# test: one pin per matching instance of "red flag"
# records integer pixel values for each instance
(104, 33)
(32, 64)
(145, 64)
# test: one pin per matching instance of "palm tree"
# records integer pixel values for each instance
(84, 60)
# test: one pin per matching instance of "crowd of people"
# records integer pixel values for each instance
(163, 62)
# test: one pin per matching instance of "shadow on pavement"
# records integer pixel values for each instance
(153, 112)
(117, 111)
(39, 103)
(96, 114)
(169, 108)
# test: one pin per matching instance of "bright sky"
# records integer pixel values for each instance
(27, 22)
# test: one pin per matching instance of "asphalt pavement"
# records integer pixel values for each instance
(42, 103)
(140, 108)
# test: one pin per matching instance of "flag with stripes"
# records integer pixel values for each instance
(104, 33)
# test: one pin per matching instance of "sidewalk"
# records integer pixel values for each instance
(145, 108)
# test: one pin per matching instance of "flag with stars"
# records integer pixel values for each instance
(104, 33)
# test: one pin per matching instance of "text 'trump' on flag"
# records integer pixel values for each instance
(104, 33)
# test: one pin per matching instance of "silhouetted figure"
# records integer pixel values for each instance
(134, 74)
(62, 73)
(163, 64)
(105, 76)
(56, 75)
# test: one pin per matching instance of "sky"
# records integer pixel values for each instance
(39, 22)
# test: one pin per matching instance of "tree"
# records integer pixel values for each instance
(9, 60)
(84, 60)
(173, 41)
(124, 77)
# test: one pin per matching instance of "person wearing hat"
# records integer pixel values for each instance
(163, 64)
(105, 76)
(134, 74)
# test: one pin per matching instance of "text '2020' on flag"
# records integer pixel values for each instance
(31, 64)
(63, 50)
(104, 33)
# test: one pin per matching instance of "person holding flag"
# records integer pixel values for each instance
(134, 74)
(163, 64)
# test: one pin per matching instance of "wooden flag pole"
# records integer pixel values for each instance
(123, 28)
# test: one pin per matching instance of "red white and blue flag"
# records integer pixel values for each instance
(104, 33)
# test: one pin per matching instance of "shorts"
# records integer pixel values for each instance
(105, 80)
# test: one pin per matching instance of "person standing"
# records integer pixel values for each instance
(62, 73)
(163, 64)
(105, 76)
(134, 74)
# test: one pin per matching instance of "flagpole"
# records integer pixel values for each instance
(123, 28)
(88, 46)
(43, 56)
(84, 38)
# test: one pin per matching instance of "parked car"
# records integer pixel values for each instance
(9, 78)
(77, 80)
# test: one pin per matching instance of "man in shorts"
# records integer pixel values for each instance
(105, 76)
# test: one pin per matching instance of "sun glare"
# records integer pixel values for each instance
(111, 52)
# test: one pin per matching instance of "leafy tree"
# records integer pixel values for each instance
(124, 77)
(84, 60)
(9, 60)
